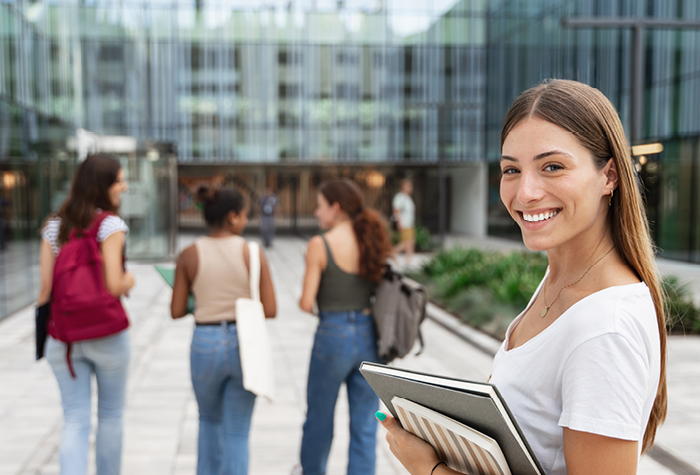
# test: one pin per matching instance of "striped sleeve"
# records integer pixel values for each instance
(50, 233)
(111, 225)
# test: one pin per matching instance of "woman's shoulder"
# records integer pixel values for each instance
(622, 309)
(110, 225)
(317, 244)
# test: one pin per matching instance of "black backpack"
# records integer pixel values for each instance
(398, 311)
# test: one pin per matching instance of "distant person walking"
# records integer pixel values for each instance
(343, 267)
(216, 269)
(94, 197)
(268, 203)
(405, 215)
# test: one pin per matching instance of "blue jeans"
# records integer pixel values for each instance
(225, 408)
(343, 341)
(108, 359)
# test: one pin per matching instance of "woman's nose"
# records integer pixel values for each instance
(530, 187)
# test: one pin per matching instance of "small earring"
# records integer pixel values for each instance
(610, 199)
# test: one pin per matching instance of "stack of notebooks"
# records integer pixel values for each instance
(467, 423)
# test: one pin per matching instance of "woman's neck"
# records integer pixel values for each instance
(570, 260)
(221, 233)
(341, 223)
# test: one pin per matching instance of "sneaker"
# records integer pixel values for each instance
(296, 470)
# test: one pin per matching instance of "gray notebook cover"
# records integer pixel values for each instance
(480, 407)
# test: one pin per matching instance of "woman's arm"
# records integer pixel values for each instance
(315, 262)
(183, 282)
(117, 281)
(267, 291)
(416, 455)
(46, 263)
(592, 454)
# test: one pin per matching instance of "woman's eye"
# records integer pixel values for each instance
(553, 167)
(509, 171)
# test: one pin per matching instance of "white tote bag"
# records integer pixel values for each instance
(253, 339)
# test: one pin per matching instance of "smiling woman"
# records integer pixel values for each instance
(582, 368)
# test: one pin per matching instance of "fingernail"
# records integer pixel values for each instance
(380, 415)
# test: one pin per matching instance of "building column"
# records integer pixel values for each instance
(469, 199)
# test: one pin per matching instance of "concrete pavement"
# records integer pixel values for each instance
(161, 413)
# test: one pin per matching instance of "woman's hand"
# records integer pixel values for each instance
(417, 456)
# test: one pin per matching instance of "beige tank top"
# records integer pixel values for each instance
(221, 278)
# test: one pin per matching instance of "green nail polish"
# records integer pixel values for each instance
(380, 415)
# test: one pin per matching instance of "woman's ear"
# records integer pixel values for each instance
(611, 175)
(336, 208)
(232, 218)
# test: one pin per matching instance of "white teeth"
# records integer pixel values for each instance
(533, 218)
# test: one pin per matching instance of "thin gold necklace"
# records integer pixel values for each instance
(544, 293)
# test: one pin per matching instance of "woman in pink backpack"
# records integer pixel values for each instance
(90, 212)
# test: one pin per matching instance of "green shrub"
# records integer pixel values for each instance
(425, 242)
(488, 289)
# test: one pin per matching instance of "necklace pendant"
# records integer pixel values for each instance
(544, 312)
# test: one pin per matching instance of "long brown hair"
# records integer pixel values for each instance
(588, 114)
(90, 190)
(368, 225)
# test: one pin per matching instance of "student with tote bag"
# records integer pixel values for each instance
(221, 270)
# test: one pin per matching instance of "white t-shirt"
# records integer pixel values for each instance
(407, 210)
(109, 226)
(595, 369)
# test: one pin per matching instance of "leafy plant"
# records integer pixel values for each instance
(425, 242)
(488, 289)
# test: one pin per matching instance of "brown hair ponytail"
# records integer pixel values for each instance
(369, 227)
(588, 114)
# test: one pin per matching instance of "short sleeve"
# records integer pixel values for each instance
(111, 225)
(604, 385)
(50, 233)
(397, 203)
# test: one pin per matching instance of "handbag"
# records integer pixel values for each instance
(41, 332)
(398, 311)
(253, 338)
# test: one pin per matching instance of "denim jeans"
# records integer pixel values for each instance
(225, 408)
(108, 359)
(343, 341)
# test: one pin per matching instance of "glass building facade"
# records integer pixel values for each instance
(527, 42)
(286, 94)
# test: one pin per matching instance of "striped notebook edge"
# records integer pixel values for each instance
(459, 446)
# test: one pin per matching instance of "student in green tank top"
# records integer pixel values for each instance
(342, 269)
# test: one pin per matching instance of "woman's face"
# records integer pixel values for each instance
(325, 212)
(118, 187)
(551, 186)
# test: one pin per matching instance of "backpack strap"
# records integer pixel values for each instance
(69, 347)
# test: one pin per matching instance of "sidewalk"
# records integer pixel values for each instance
(161, 414)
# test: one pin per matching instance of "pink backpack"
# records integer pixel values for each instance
(81, 306)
